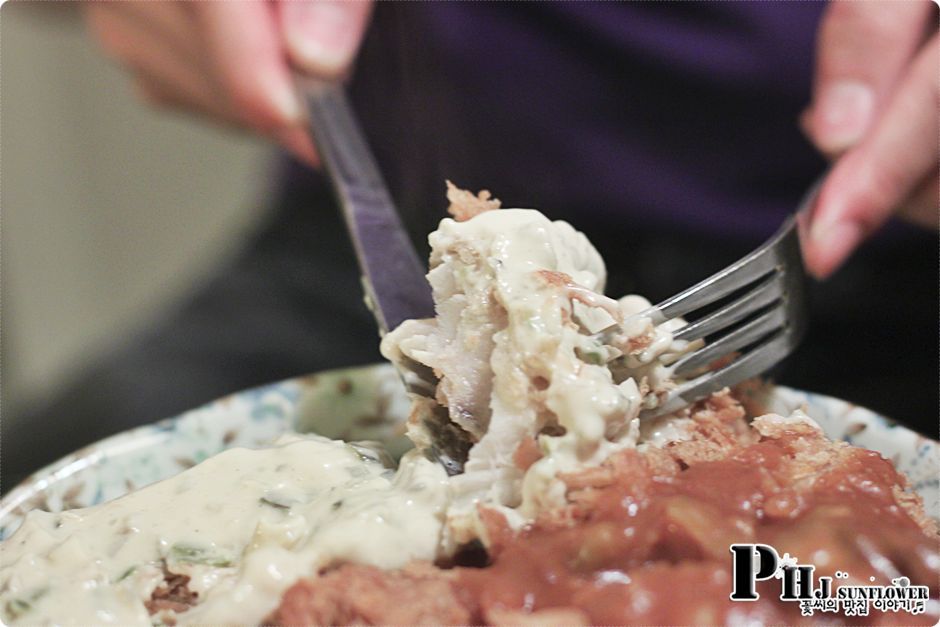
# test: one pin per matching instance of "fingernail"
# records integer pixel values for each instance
(285, 97)
(843, 114)
(321, 34)
(833, 242)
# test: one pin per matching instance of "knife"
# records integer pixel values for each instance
(393, 277)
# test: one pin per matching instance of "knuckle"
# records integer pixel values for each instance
(934, 92)
(115, 44)
(111, 41)
(885, 186)
(839, 12)
(932, 53)
(868, 24)
(249, 105)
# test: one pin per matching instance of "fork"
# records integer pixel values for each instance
(764, 316)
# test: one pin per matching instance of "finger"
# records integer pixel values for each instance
(124, 33)
(165, 74)
(862, 52)
(297, 141)
(921, 207)
(872, 180)
(182, 90)
(110, 29)
(167, 21)
(249, 62)
(322, 36)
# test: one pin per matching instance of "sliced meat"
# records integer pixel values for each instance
(465, 205)
(420, 594)
(173, 595)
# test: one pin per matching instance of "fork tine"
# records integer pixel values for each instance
(719, 285)
(770, 290)
(772, 334)
(763, 356)
(740, 274)
(742, 336)
(776, 331)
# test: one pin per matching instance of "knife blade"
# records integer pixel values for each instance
(393, 277)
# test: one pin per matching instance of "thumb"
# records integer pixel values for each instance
(863, 50)
(321, 37)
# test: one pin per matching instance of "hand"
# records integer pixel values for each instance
(232, 61)
(874, 110)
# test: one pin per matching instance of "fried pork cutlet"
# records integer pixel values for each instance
(644, 538)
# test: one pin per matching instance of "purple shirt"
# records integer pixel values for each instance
(663, 115)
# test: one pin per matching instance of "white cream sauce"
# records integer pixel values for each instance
(518, 300)
(244, 525)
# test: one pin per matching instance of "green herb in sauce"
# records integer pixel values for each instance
(368, 451)
(15, 608)
(593, 357)
(127, 573)
(593, 353)
(265, 500)
(198, 555)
